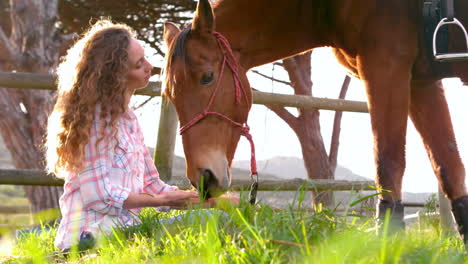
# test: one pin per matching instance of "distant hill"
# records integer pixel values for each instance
(292, 167)
(178, 169)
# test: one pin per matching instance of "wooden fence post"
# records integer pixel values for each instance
(445, 211)
(164, 151)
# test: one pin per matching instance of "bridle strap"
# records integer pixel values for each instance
(229, 59)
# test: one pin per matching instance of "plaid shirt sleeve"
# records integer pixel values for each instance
(152, 184)
(100, 191)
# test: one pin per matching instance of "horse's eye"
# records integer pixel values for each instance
(207, 78)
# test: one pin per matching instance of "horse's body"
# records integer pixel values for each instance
(380, 42)
(263, 31)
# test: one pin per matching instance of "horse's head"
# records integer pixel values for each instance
(212, 101)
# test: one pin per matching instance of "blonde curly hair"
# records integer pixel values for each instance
(94, 72)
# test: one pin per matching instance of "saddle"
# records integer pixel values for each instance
(438, 15)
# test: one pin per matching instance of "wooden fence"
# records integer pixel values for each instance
(164, 150)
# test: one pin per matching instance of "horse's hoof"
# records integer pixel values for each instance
(395, 216)
(460, 212)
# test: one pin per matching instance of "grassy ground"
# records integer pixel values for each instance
(12, 196)
(251, 235)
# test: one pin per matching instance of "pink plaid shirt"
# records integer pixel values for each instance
(93, 198)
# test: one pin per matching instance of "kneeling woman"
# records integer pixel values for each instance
(94, 140)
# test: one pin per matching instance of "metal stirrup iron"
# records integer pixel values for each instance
(449, 20)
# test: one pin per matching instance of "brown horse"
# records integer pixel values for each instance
(380, 42)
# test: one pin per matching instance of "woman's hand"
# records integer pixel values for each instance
(228, 198)
(178, 199)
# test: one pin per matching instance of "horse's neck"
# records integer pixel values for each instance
(263, 31)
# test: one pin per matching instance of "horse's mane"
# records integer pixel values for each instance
(175, 49)
(323, 15)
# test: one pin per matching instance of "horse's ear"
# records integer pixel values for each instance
(170, 31)
(203, 22)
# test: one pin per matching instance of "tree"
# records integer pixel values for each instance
(306, 125)
(30, 42)
(145, 16)
(33, 34)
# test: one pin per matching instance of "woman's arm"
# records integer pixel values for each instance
(151, 181)
(175, 199)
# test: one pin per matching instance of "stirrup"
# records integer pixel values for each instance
(448, 57)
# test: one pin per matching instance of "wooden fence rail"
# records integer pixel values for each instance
(21, 80)
(37, 177)
(14, 209)
(17, 210)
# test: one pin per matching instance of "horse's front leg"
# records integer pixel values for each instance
(387, 77)
(431, 117)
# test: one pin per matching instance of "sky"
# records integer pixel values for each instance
(356, 143)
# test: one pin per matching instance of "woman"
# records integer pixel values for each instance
(95, 142)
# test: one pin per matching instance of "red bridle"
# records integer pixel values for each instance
(229, 59)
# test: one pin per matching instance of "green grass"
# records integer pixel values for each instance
(251, 235)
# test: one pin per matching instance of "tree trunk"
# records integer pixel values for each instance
(335, 139)
(33, 46)
(307, 126)
(314, 153)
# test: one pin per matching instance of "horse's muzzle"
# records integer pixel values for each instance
(209, 185)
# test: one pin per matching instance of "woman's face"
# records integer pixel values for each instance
(139, 68)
